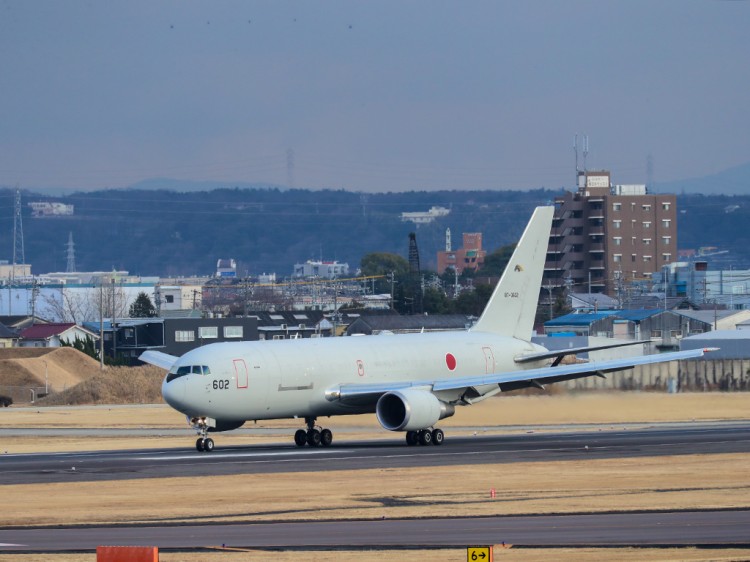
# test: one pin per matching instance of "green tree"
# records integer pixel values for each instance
(85, 345)
(434, 301)
(142, 307)
(473, 302)
(494, 263)
(384, 263)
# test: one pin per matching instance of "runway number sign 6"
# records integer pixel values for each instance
(479, 554)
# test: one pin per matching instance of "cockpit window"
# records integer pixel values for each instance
(206, 370)
(180, 372)
(197, 370)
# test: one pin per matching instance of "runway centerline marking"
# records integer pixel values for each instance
(229, 455)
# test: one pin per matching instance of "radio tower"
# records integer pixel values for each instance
(290, 168)
(71, 252)
(413, 254)
(18, 254)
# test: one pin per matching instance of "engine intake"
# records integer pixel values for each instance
(410, 410)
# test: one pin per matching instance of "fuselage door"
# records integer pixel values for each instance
(240, 372)
(489, 360)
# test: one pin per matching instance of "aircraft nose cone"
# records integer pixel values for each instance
(174, 393)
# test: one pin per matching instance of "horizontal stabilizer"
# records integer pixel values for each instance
(163, 360)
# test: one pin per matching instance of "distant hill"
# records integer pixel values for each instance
(733, 181)
(183, 186)
(169, 233)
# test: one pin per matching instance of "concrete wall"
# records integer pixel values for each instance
(698, 375)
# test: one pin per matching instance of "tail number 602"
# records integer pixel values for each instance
(221, 385)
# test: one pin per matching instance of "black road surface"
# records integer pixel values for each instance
(625, 529)
(655, 440)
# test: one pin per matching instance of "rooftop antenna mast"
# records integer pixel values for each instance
(585, 151)
(650, 173)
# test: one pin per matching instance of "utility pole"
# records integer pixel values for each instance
(114, 324)
(101, 324)
(549, 297)
(391, 278)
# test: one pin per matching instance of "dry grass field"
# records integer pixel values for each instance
(686, 482)
(683, 482)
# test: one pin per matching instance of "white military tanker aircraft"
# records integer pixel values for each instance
(409, 381)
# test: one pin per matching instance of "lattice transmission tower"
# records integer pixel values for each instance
(19, 257)
(71, 254)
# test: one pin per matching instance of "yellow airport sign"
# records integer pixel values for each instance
(479, 554)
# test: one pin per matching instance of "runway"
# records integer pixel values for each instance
(622, 442)
(685, 528)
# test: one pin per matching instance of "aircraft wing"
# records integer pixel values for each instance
(163, 360)
(560, 353)
(511, 380)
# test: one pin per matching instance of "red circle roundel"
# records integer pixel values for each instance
(450, 361)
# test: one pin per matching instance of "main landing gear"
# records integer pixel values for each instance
(204, 444)
(313, 436)
(425, 437)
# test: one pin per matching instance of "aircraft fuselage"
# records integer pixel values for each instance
(288, 378)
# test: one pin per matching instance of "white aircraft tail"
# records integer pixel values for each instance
(512, 306)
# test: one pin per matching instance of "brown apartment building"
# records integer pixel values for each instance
(471, 256)
(606, 237)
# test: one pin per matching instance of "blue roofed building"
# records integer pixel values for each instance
(664, 328)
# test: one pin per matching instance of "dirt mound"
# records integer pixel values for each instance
(116, 385)
(62, 367)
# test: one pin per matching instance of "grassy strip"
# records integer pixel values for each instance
(681, 482)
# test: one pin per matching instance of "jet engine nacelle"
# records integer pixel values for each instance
(410, 410)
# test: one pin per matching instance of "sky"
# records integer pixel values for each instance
(371, 96)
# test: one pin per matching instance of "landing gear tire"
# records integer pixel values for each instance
(438, 436)
(326, 437)
(425, 437)
(300, 438)
(412, 438)
(204, 444)
(313, 437)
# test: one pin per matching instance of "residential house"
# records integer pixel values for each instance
(53, 334)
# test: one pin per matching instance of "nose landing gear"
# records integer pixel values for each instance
(204, 444)
(313, 436)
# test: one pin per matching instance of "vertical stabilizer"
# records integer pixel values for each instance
(512, 306)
